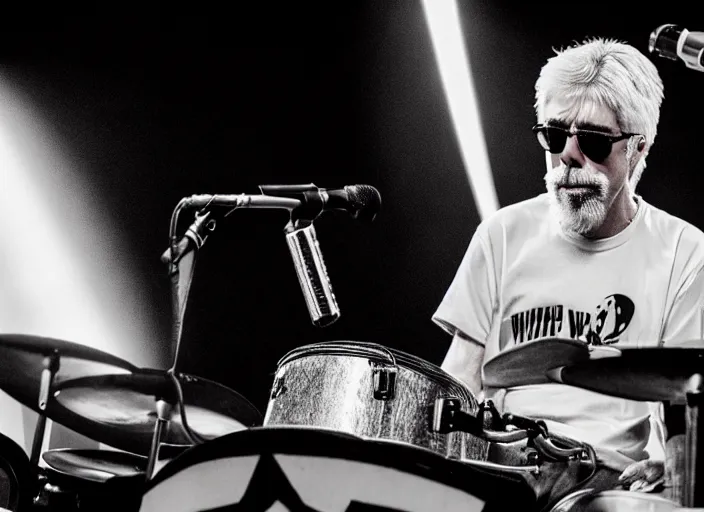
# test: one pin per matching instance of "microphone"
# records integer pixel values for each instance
(312, 274)
(674, 42)
(362, 202)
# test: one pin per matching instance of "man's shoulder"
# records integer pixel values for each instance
(667, 223)
(528, 212)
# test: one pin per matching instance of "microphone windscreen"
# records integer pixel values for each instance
(365, 201)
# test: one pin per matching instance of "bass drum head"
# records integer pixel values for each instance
(588, 500)
(16, 476)
(316, 470)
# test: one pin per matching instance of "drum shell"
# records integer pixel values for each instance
(332, 385)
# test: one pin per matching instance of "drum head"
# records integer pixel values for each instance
(309, 469)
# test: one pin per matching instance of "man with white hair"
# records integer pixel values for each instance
(588, 260)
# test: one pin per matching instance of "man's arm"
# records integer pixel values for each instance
(464, 361)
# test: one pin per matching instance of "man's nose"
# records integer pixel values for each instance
(571, 155)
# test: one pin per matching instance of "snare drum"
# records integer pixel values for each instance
(587, 500)
(305, 469)
(370, 391)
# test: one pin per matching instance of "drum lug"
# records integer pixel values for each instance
(278, 388)
(384, 378)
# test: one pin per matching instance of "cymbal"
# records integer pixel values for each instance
(127, 403)
(94, 465)
(645, 374)
(528, 363)
(21, 365)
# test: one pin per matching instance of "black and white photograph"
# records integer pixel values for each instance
(416, 255)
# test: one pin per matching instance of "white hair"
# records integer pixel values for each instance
(610, 73)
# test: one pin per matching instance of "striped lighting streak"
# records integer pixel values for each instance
(448, 44)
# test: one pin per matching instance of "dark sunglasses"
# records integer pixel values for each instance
(594, 145)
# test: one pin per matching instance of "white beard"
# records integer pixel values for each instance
(577, 213)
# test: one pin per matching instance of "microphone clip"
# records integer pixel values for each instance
(312, 202)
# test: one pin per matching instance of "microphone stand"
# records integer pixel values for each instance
(180, 258)
(181, 261)
(181, 255)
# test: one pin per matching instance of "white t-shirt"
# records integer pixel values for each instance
(523, 278)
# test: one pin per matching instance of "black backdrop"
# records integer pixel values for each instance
(162, 105)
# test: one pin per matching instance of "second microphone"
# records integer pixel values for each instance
(312, 275)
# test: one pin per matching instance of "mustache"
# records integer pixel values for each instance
(576, 177)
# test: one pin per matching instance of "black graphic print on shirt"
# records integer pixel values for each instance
(603, 326)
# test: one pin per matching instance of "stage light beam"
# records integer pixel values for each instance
(453, 62)
(64, 269)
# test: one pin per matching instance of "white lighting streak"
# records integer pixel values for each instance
(64, 271)
(448, 44)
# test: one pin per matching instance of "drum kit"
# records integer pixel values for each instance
(349, 426)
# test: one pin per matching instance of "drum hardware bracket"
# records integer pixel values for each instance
(488, 423)
(520, 470)
(552, 452)
(278, 388)
(384, 380)
(51, 367)
(51, 364)
(163, 411)
(446, 416)
(533, 427)
(495, 418)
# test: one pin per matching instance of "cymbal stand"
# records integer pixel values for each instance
(163, 417)
(693, 495)
(51, 364)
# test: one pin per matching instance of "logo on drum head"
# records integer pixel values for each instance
(270, 488)
(610, 320)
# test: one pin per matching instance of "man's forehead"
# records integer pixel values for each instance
(583, 115)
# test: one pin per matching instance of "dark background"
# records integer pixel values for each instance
(164, 104)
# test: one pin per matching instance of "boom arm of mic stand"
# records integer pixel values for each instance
(180, 256)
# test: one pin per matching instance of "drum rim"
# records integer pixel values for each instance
(299, 441)
(615, 493)
(576, 497)
(356, 349)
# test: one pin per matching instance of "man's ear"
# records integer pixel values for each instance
(641, 144)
